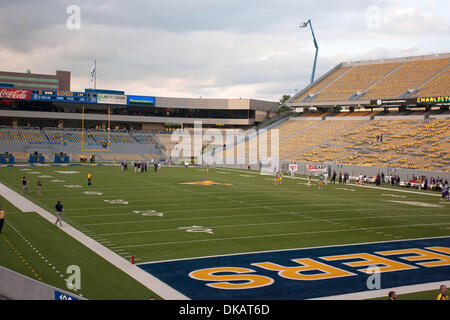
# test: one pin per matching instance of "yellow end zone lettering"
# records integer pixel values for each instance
(440, 249)
(223, 281)
(421, 254)
(369, 260)
(295, 273)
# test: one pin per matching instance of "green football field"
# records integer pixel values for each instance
(187, 212)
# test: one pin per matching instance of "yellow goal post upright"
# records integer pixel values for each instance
(83, 132)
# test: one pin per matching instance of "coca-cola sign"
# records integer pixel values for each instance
(6, 93)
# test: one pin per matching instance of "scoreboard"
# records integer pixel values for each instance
(63, 96)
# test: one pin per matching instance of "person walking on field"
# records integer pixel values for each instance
(59, 211)
(24, 185)
(2, 218)
(39, 187)
(89, 176)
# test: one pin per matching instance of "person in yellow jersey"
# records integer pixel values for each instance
(89, 178)
(2, 218)
(443, 294)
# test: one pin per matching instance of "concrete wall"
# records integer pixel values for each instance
(14, 286)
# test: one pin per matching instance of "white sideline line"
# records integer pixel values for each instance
(143, 277)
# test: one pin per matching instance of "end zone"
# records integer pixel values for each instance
(332, 272)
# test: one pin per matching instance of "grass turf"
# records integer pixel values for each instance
(154, 217)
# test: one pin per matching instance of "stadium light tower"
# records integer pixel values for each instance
(304, 25)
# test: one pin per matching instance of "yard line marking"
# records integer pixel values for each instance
(232, 216)
(313, 220)
(270, 235)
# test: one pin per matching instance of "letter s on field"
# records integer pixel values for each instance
(224, 281)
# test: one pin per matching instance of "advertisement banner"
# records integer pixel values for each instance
(111, 98)
(439, 100)
(316, 168)
(143, 100)
(8, 93)
(293, 167)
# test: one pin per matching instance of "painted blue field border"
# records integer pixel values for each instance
(176, 273)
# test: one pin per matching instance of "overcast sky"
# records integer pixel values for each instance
(213, 49)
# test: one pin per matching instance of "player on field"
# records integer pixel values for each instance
(292, 173)
(309, 180)
(89, 176)
(2, 218)
(445, 192)
(24, 185)
(277, 178)
(321, 182)
(39, 187)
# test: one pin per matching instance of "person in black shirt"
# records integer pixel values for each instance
(24, 184)
(59, 210)
(392, 295)
(333, 178)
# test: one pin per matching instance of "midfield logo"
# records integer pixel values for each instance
(207, 183)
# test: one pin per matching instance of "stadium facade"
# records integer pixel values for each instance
(33, 81)
(43, 108)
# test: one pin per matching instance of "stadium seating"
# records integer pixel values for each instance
(323, 83)
(409, 76)
(357, 79)
(319, 133)
(440, 85)
(18, 134)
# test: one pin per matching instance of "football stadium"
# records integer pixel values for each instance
(110, 195)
